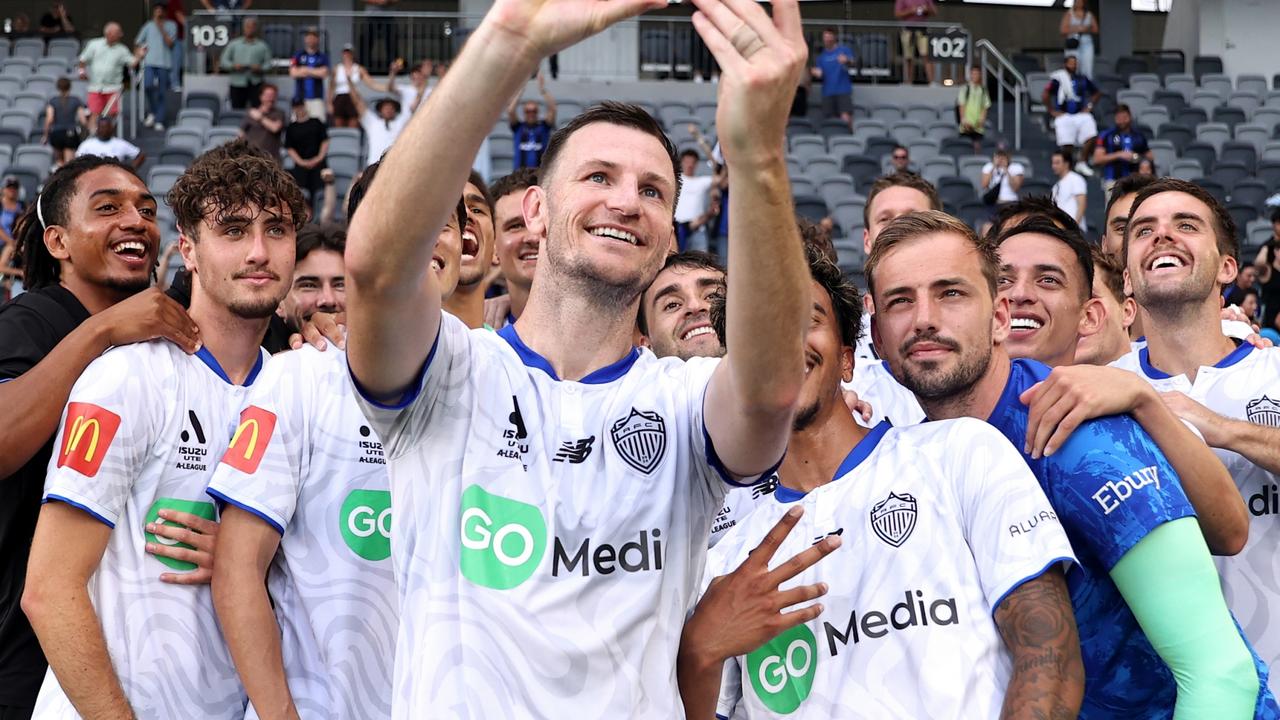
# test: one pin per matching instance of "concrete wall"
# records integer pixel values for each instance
(1242, 32)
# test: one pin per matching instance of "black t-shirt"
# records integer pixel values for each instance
(30, 326)
(306, 137)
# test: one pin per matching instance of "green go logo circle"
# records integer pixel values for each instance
(365, 523)
(502, 540)
(782, 670)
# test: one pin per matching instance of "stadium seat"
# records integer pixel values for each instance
(1145, 83)
(833, 127)
(1213, 133)
(1170, 65)
(1202, 151)
(36, 157)
(957, 147)
(1129, 65)
(1192, 116)
(870, 128)
(801, 185)
(1185, 169)
(906, 131)
(1217, 83)
(1171, 99)
(1229, 173)
(1255, 134)
(29, 179)
(936, 168)
(207, 100)
(1163, 152)
(162, 177)
(179, 155)
(669, 112)
(195, 118)
(836, 189)
(1242, 214)
(1250, 191)
(890, 114)
(1269, 173)
(940, 130)
(17, 66)
(1256, 234)
(849, 215)
(849, 251)
(235, 118)
(877, 147)
(68, 49)
(188, 137)
(29, 102)
(1213, 187)
(20, 121)
(1035, 186)
(219, 135)
(922, 149)
(1268, 117)
(922, 115)
(1203, 65)
(706, 114)
(821, 168)
(955, 191)
(1246, 101)
(6, 155)
(11, 137)
(55, 66)
(1239, 151)
(10, 86)
(806, 147)
(811, 208)
(32, 48)
(344, 163)
(859, 167)
(800, 126)
(844, 145)
(1184, 83)
(6, 47)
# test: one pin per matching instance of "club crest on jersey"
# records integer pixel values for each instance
(894, 518)
(1263, 411)
(641, 439)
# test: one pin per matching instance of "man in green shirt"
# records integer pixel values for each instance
(971, 108)
(102, 63)
(247, 59)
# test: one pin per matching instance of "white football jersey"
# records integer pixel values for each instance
(739, 503)
(874, 383)
(865, 351)
(142, 431)
(550, 535)
(306, 461)
(939, 523)
(1244, 385)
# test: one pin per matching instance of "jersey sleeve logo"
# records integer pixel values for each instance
(249, 443)
(86, 437)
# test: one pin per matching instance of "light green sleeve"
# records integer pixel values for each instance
(1169, 581)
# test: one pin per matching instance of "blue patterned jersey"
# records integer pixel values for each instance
(1110, 486)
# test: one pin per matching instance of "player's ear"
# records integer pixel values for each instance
(187, 246)
(1092, 317)
(1000, 319)
(1130, 309)
(534, 206)
(1227, 270)
(55, 237)
(846, 363)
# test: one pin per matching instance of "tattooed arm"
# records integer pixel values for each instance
(1039, 629)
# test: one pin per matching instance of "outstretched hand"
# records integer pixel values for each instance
(549, 26)
(760, 58)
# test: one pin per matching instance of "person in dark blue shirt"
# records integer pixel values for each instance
(530, 134)
(1120, 148)
(309, 69)
(1070, 97)
(1155, 632)
(832, 68)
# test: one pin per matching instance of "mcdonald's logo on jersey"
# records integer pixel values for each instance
(249, 443)
(86, 436)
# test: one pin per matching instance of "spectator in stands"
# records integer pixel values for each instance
(157, 37)
(972, 104)
(1001, 179)
(247, 58)
(173, 10)
(1070, 97)
(102, 63)
(1249, 304)
(11, 206)
(693, 209)
(1070, 193)
(105, 143)
(1077, 28)
(56, 22)
(346, 73)
(832, 68)
(1246, 281)
(309, 69)
(319, 281)
(64, 121)
(1268, 264)
(1146, 166)
(900, 161)
(412, 94)
(517, 248)
(531, 134)
(307, 142)
(382, 123)
(1120, 148)
(263, 125)
(915, 42)
(20, 27)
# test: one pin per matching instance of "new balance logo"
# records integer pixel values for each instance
(574, 451)
(820, 538)
(764, 487)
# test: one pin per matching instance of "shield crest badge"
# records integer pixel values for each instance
(894, 518)
(641, 439)
(1263, 411)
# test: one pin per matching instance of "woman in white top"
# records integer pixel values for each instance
(1009, 176)
(345, 73)
(1079, 25)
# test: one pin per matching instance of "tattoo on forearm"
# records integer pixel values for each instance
(1039, 629)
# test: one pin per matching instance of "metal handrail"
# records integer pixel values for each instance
(1015, 86)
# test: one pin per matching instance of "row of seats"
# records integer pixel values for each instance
(36, 48)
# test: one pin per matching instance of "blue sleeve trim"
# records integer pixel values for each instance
(714, 461)
(414, 390)
(1048, 566)
(228, 501)
(79, 506)
(721, 717)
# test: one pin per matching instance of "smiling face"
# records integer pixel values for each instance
(243, 260)
(1046, 289)
(1173, 257)
(935, 321)
(111, 237)
(677, 309)
(827, 361)
(1117, 221)
(517, 247)
(477, 237)
(605, 208)
(446, 261)
(319, 285)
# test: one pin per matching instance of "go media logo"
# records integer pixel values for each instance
(365, 523)
(782, 670)
(503, 540)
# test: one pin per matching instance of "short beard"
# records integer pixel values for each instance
(128, 286)
(805, 417)
(463, 279)
(601, 292)
(253, 309)
(954, 383)
(1173, 302)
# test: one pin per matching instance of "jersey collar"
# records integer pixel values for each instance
(1233, 357)
(856, 456)
(208, 359)
(606, 374)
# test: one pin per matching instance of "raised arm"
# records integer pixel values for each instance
(393, 301)
(548, 98)
(751, 398)
(358, 100)
(1039, 629)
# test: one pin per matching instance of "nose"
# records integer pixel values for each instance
(132, 218)
(624, 198)
(926, 316)
(328, 298)
(257, 250)
(1019, 291)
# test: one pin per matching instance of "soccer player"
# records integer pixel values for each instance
(1111, 341)
(467, 301)
(517, 248)
(88, 245)
(319, 284)
(308, 510)
(139, 437)
(959, 568)
(552, 485)
(1155, 632)
(1122, 195)
(1180, 249)
(675, 311)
